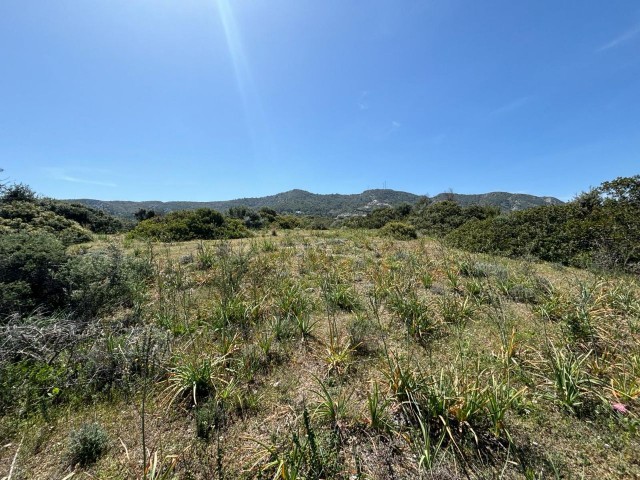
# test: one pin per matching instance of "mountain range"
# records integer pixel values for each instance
(329, 205)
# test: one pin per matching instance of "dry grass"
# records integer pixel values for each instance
(488, 334)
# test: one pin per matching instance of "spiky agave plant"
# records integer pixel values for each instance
(569, 378)
(378, 418)
(195, 379)
(330, 408)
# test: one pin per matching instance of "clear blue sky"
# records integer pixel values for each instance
(219, 99)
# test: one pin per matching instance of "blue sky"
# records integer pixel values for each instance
(220, 99)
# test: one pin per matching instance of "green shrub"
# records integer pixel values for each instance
(28, 272)
(87, 444)
(30, 386)
(37, 272)
(101, 281)
(399, 231)
(599, 229)
(90, 218)
(440, 218)
(31, 217)
(203, 224)
(18, 192)
(288, 222)
(379, 217)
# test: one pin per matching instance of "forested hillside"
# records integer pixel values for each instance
(331, 205)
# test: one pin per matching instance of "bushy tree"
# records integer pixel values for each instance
(18, 192)
(144, 214)
(625, 190)
(239, 212)
(269, 215)
(250, 218)
(203, 224)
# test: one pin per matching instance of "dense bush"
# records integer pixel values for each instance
(102, 281)
(288, 222)
(437, 219)
(22, 210)
(440, 218)
(541, 232)
(95, 220)
(29, 264)
(379, 217)
(203, 224)
(144, 214)
(31, 217)
(37, 272)
(17, 193)
(49, 360)
(399, 231)
(600, 229)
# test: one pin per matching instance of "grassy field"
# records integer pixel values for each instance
(341, 354)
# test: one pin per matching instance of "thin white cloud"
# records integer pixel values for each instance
(60, 174)
(511, 106)
(392, 128)
(92, 170)
(395, 126)
(623, 38)
(363, 103)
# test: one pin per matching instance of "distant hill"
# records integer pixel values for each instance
(331, 205)
(505, 200)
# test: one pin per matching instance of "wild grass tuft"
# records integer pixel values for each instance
(194, 380)
(414, 312)
(570, 380)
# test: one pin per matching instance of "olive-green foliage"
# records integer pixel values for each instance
(268, 215)
(600, 228)
(31, 217)
(441, 218)
(17, 193)
(379, 217)
(101, 281)
(250, 218)
(87, 444)
(208, 417)
(28, 386)
(144, 214)
(288, 222)
(315, 223)
(22, 210)
(204, 224)
(37, 272)
(29, 264)
(399, 231)
(95, 220)
(436, 219)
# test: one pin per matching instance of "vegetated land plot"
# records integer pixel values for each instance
(334, 355)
